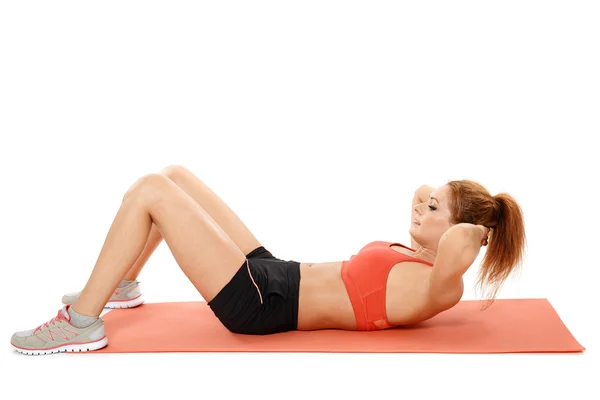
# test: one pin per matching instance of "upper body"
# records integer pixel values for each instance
(389, 284)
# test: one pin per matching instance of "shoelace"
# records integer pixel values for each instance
(59, 317)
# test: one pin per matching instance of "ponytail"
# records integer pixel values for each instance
(506, 247)
(472, 203)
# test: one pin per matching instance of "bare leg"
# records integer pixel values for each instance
(154, 239)
(205, 253)
(210, 202)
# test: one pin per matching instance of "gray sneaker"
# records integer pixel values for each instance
(59, 336)
(128, 296)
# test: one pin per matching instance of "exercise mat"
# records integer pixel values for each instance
(507, 326)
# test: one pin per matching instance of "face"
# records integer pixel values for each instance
(431, 218)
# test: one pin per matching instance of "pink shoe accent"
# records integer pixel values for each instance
(59, 317)
(50, 334)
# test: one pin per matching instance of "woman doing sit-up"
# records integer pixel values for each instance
(385, 284)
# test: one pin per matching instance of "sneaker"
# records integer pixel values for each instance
(128, 296)
(58, 335)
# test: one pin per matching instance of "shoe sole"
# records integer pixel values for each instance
(136, 301)
(78, 348)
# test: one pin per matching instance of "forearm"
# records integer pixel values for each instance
(422, 194)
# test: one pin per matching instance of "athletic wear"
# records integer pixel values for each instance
(127, 296)
(59, 335)
(79, 320)
(124, 283)
(365, 276)
(262, 297)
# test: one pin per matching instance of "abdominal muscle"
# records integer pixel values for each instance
(324, 301)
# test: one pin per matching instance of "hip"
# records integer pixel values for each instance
(262, 297)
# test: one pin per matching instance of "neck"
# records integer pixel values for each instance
(426, 254)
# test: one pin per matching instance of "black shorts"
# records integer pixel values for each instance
(238, 305)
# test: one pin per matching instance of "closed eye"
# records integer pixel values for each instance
(432, 208)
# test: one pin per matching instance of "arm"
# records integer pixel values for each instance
(457, 250)
(421, 195)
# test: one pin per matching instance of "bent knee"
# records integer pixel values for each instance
(147, 186)
(174, 172)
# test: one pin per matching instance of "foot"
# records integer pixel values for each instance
(59, 336)
(125, 297)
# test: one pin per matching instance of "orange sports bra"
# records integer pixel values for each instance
(365, 276)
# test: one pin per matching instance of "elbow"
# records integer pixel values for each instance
(460, 241)
(463, 233)
(457, 235)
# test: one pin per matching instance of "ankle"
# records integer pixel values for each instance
(125, 282)
(79, 320)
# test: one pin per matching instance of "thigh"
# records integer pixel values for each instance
(214, 205)
(205, 253)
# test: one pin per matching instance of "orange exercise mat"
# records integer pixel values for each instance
(507, 326)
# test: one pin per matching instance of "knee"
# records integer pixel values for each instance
(148, 186)
(174, 172)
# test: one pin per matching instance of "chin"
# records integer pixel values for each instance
(412, 235)
(413, 231)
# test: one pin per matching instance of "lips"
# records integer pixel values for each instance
(416, 222)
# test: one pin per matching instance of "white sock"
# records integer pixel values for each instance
(80, 321)
(124, 283)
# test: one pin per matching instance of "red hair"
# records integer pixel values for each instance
(472, 203)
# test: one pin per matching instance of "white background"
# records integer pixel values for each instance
(315, 121)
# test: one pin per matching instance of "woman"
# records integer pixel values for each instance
(251, 292)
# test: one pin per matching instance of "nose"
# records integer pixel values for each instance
(418, 209)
